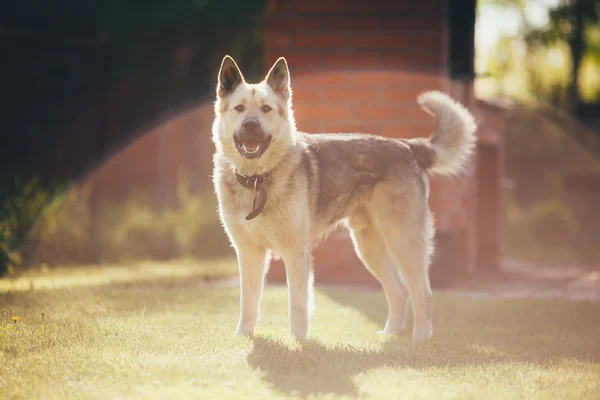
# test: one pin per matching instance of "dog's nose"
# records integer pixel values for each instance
(251, 124)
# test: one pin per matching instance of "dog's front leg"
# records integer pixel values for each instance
(299, 280)
(252, 263)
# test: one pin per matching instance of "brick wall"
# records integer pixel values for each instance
(356, 34)
(346, 100)
(329, 46)
(151, 165)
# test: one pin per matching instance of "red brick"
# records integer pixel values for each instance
(292, 23)
(323, 78)
(458, 219)
(413, 60)
(353, 128)
(398, 78)
(398, 40)
(351, 23)
(309, 127)
(302, 93)
(376, 113)
(277, 40)
(295, 60)
(276, 273)
(321, 112)
(352, 94)
(444, 196)
(430, 7)
(322, 6)
(278, 6)
(408, 131)
(390, 113)
(321, 40)
(352, 60)
(412, 23)
(407, 94)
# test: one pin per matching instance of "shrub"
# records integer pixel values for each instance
(68, 232)
(18, 213)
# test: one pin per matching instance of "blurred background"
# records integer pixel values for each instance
(107, 111)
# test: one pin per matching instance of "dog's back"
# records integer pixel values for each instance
(349, 166)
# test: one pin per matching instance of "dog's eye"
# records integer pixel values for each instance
(240, 108)
(265, 108)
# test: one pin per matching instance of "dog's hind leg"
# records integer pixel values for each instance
(252, 265)
(410, 246)
(371, 249)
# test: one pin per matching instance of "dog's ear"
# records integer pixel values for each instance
(230, 77)
(279, 78)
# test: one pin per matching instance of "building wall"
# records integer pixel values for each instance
(154, 164)
(333, 49)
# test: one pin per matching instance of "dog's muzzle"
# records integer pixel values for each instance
(251, 140)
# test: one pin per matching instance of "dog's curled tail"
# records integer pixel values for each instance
(446, 152)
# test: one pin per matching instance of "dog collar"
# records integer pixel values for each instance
(257, 184)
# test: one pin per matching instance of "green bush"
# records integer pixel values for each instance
(69, 233)
(5, 259)
(18, 213)
(62, 233)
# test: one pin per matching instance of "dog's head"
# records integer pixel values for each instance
(253, 121)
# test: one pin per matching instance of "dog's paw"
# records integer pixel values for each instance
(300, 336)
(392, 330)
(422, 335)
(385, 332)
(241, 331)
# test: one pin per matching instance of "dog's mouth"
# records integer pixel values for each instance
(252, 149)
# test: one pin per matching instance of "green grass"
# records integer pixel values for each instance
(148, 272)
(176, 341)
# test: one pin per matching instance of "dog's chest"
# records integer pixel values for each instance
(279, 224)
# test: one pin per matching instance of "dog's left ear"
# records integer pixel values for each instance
(279, 78)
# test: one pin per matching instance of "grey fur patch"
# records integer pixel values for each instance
(351, 165)
(423, 152)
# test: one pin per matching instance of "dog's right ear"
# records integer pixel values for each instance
(230, 77)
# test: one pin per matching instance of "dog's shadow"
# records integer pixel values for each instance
(309, 369)
(312, 368)
(482, 336)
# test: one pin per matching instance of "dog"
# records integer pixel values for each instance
(280, 191)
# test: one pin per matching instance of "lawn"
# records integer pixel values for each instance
(174, 339)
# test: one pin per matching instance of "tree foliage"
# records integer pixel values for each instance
(571, 23)
(573, 29)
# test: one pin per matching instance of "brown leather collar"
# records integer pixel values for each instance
(251, 182)
(256, 183)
